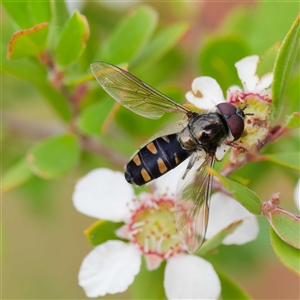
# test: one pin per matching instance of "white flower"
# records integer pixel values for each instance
(297, 194)
(225, 210)
(247, 73)
(206, 94)
(150, 228)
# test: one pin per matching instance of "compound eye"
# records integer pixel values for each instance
(227, 109)
(236, 125)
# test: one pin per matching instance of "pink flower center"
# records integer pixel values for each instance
(153, 228)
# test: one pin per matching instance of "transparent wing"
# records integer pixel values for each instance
(173, 128)
(193, 199)
(133, 93)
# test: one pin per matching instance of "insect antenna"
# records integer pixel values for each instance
(248, 114)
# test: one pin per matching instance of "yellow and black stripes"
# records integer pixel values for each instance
(155, 159)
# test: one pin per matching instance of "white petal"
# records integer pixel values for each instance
(264, 82)
(206, 93)
(153, 261)
(225, 210)
(109, 268)
(297, 195)
(103, 194)
(123, 232)
(233, 94)
(167, 184)
(246, 69)
(191, 277)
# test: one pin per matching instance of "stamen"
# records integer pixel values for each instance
(149, 230)
(138, 224)
(168, 253)
(146, 245)
(158, 245)
(153, 243)
(148, 203)
(176, 237)
(134, 232)
(154, 204)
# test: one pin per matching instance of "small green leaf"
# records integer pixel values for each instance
(284, 223)
(26, 69)
(60, 13)
(145, 281)
(15, 176)
(28, 13)
(230, 290)
(283, 66)
(287, 159)
(241, 193)
(54, 157)
(28, 42)
(217, 240)
(60, 17)
(287, 227)
(130, 36)
(92, 118)
(293, 121)
(164, 41)
(102, 231)
(287, 254)
(218, 56)
(73, 39)
(57, 100)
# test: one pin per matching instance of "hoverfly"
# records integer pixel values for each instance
(197, 138)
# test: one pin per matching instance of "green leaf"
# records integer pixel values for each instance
(149, 284)
(28, 13)
(284, 223)
(163, 42)
(287, 254)
(287, 226)
(230, 290)
(60, 16)
(283, 66)
(102, 231)
(15, 176)
(54, 157)
(28, 42)
(72, 41)
(130, 36)
(292, 93)
(241, 193)
(218, 56)
(26, 69)
(57, 100)
(60, 13)
(287, 159)
(293, 121)
(92, 118)
(217, 240)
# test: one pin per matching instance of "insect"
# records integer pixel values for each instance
(197, 138)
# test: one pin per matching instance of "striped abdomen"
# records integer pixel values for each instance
(155, 159)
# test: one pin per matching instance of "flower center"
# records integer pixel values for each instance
(153, 228)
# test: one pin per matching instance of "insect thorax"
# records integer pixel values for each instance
(206, 131)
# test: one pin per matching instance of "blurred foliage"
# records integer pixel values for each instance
(287, 254)
(58, 123)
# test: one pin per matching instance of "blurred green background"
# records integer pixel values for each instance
(43, 243)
